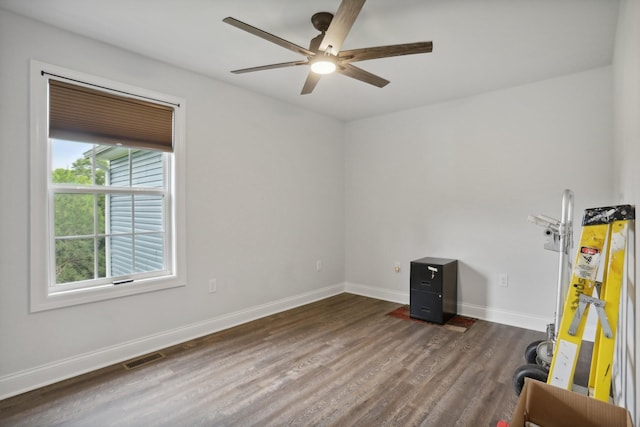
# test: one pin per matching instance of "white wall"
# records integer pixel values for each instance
(626, 67)
(265, 201)
(458, 180)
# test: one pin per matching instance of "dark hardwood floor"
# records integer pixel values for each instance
(337, 362)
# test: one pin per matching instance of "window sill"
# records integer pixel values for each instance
(101, 293)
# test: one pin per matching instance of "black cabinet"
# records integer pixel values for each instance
(434, 289)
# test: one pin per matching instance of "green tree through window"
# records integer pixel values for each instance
(79, 224)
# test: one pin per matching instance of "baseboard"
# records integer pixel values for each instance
(505, 317)
(378, 293)
(20, 382)
(30, 379)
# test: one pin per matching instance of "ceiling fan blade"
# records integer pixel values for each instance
(310, 83)
(269, 37)
(340, 25)
(270, 67)
(385, 51)
(362, 75)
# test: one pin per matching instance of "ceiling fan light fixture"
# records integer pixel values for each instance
(324, 63)
(323, 66)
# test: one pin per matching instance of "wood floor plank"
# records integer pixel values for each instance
(341, 361)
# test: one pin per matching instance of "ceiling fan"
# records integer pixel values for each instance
(324, 55)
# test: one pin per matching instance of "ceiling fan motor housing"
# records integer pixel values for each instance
(321, 21)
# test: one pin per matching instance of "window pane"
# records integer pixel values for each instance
(121, 255)
(131, 168)
(101, 249)
(148, 213)
(149, 252)
(74, 260)
(73, 214)
(71, 162)
(119, 166)
(101, 198)
(120, 211)
(147, 169)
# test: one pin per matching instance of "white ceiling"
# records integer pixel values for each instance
(479, 45)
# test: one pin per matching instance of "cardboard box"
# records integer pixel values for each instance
(550, 406)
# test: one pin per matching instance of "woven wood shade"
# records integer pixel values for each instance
(78, 113)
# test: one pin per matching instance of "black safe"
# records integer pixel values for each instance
(434, 289)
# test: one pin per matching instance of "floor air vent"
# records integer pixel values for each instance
(142, 360)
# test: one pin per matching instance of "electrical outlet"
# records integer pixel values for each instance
(396, 267)
(503, 280)
(213, 286)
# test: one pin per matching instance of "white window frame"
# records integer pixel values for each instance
(43, 295)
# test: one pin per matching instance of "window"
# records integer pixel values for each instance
(107, 199)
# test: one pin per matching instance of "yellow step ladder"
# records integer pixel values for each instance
(603, 242)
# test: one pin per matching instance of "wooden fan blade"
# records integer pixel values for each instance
(270, 67)
(362, 75)
(269, 37)
(310, 83)
(340, 25)
(384, 51)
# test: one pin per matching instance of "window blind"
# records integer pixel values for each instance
(79, 113)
